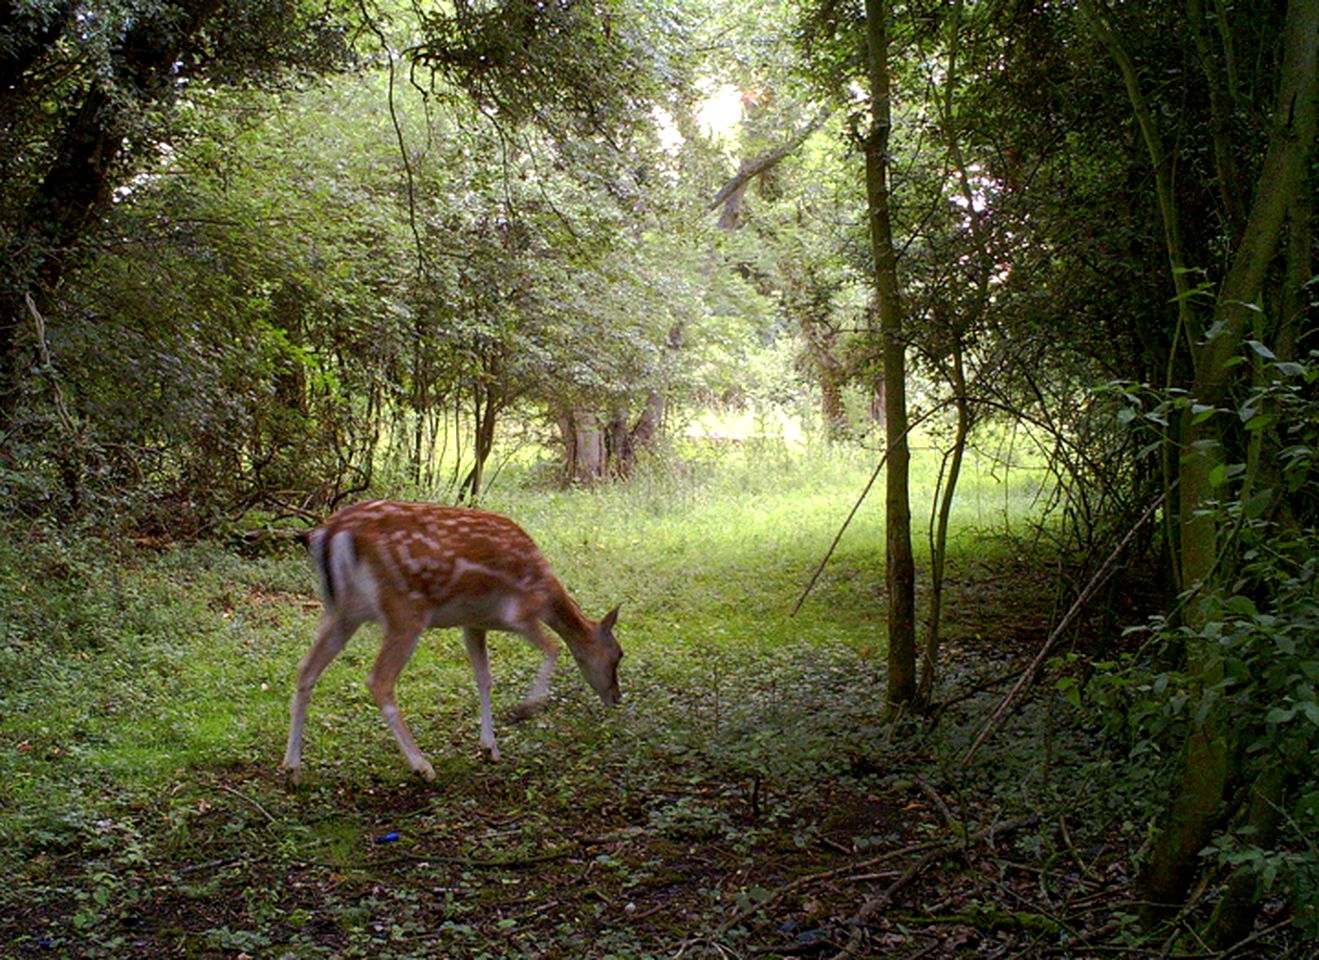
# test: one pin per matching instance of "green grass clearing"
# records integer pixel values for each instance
(146, 708)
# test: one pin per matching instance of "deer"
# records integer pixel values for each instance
(413, 566)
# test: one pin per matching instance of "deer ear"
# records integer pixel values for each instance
(610, 619)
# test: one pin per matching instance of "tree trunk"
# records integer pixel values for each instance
(939, 535)
(626, 440)
(485, 410)
(1234, 917)
(879, 403)
(84, 166)
(901, 569)
(620, 449)
(584, 449)
(832, 408)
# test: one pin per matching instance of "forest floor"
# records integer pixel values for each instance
(747, 799)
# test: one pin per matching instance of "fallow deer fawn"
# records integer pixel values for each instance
(411, 566)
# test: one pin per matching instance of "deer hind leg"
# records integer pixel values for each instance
(474, 640)
(399, 642)
(333, 633)
(540, 690)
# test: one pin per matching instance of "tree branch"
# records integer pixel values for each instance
(751, 169)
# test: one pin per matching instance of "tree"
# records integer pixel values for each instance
(311, 318)
(88, 93)
(1209, 437)
(900, 567)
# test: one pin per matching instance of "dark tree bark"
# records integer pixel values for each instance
(900, 564)
(487, 402)
(730, 195)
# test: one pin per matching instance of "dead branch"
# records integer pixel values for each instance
(1028, 675)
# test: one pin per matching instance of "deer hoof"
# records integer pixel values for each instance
(425, 771)
(526, 710)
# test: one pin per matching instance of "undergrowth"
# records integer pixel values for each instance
(746, 797)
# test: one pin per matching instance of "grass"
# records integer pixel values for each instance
(145, 708)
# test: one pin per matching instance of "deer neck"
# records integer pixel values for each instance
(565, 618)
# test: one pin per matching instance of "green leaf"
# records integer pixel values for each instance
(1241, 606)
(1257, 503)
(1258, 422)
(1262, 350)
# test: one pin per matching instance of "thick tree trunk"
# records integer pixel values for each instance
(1195, 810)
(1234, 917)
(84, 165)
(626, 439)
(620, 449)
(901, 569)
(584, 448)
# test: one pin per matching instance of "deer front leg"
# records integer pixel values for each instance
(535, 699)
(331, 636)
(474, 640)
(399, 643)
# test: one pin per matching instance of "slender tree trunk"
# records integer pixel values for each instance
(485, 408)
(971, 314)
(879, 403)
(901, 568)
(939, 535)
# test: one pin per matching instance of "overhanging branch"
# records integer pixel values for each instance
(752, 168)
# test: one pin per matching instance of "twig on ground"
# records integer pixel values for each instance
(242, 796)
(857, 923)
(886, 897)
(949, 821)
(490, 864)
(194, 867)
(775, 895)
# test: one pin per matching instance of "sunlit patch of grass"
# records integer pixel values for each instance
(140, 689)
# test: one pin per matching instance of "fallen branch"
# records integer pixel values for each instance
(883, 899)
(930, 850)
(743, 912)
(1091, 588)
